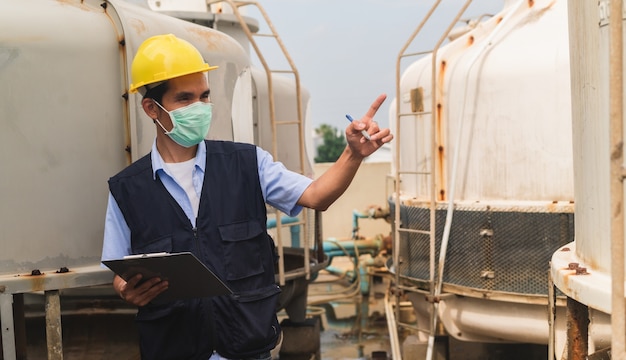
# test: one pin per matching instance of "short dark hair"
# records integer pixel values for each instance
(156, 93)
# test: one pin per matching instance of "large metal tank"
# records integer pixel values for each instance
(69, 124)
(503, 158)
(583, 270)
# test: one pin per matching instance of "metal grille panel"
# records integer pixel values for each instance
(506, 251)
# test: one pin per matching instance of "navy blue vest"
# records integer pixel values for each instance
(230, 238)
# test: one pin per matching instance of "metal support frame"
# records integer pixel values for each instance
(399, 172)
(551, 316)
(54, 338)
(8, 333)
(577, 330)
(13, 285)
(435, 282)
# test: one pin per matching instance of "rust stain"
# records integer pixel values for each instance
(618, 151)
(37, 282)
(440, 132)
(470, 40)
(37, 278)
(566, 274)
(210, 39)
(441, 82)
(499, 20)
(536, 15)
(80, 5)
(137, 25)
(582, 271)
(592, 264)
(442, 73)
(440, 152)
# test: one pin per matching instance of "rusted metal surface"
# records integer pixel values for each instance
(577, 330)
(38, 280)
(55, 279)
(520, 207)
(580, 280)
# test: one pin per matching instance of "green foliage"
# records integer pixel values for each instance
(333, 146)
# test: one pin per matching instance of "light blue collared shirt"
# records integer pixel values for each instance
(281, 189)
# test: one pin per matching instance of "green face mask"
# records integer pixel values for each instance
(190, 123)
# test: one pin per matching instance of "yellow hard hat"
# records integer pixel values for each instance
(165, 57)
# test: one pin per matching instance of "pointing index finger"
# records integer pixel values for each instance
(376, 105)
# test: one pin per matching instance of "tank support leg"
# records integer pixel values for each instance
(577, 330)
(53, 325)
(8, 333)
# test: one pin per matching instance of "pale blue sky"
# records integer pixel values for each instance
(346, 50)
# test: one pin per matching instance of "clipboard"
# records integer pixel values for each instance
(188, 277)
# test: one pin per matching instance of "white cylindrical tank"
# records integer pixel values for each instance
(503, 148)
(69, 124)
(505, 87)
(589, 39)
(503, 157)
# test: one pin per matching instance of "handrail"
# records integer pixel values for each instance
(396, 256)
(235, 5)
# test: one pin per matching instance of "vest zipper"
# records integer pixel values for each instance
(195, 238)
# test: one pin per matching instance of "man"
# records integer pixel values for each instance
(208, 197)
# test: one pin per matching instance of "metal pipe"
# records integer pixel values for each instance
(391, 325)
(616, 114)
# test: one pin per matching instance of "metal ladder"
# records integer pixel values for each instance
(432, 174)
(304, 221)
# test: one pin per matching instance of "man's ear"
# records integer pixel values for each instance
(150, 108)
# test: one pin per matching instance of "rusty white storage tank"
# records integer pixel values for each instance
(589, 270)
(69, 124)
(484, 145)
